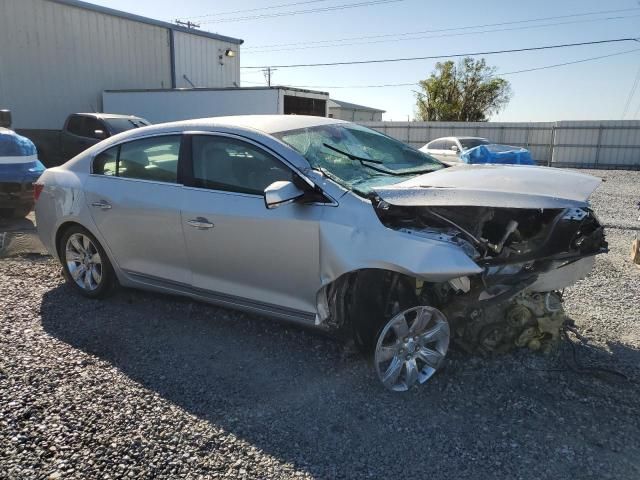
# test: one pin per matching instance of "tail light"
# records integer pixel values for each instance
(37, 190)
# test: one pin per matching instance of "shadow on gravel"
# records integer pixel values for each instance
(293, 395)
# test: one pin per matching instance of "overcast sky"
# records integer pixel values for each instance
(593, 90)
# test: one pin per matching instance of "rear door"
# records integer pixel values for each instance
(237, 247)
(134, 197)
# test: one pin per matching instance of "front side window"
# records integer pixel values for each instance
(154, 159)
(90, 127)
(222, 163)
(357, 157)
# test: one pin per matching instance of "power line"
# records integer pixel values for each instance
(486, 25)
(257, 9)
(545, 67)
(301, 12)
(458, 34)
(632, 92)
(188, 24)
(452, 55)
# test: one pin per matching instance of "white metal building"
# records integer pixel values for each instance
(354, 113)
(159, 106)
(58, 56)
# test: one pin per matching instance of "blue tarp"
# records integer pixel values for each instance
(493, 153)
(18, 158)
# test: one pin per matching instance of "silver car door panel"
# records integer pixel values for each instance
(269, 256)
(140, 221)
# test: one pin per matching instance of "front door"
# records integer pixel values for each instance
(134, 199)
(237, 247)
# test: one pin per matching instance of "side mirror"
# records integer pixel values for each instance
(99, 134)
(281, 193)
(454, 148)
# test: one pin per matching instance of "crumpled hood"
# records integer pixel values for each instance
(493, 186)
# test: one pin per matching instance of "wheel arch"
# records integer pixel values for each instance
(61, 230)
(347, 302)
(66, 225)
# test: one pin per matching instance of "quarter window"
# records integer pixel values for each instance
(107, 162)
(222, 163)
(154, 159)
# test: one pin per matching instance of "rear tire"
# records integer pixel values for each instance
(85, 264)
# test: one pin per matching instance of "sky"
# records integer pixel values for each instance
(594, 90)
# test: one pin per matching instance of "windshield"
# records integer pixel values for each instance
(357, 157)
(468, 143)
(119, 125)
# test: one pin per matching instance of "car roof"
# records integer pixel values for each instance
(251, 126)
(264, 123)
(458, 138)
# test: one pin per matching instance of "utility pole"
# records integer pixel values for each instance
(267, 74)
(188, 24)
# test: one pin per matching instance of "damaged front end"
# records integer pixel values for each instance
(528, 256)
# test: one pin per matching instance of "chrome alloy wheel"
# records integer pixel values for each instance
(83, 261)
(411, 347)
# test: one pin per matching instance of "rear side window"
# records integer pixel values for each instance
(154, 159)
(222, 163)
(436, 145)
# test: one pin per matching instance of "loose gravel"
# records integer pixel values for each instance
(150, 386)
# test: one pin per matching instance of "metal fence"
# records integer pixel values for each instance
(582, 144)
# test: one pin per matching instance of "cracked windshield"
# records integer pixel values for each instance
(357, 157)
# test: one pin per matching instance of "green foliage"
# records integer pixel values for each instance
(466, 92)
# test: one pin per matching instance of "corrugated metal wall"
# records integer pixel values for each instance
(56, 59)
(586, 144)
(199, 59)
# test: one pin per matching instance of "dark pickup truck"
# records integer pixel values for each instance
(81, 130)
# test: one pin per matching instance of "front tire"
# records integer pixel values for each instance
(85, 264)
(411, 348)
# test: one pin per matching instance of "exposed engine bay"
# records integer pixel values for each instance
(528, 256)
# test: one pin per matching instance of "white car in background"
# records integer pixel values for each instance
(448, 149)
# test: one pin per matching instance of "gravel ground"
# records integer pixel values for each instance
(144, 385)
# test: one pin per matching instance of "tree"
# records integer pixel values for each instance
(467, 92)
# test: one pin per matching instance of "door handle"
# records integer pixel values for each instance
(200, 223)
(104, 205)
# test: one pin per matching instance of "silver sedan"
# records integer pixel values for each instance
(328, 224)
